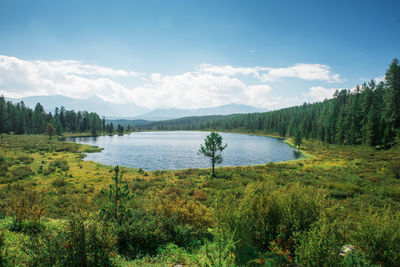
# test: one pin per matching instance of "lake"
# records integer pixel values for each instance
(178, 150)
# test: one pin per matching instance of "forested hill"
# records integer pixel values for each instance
(369, 114)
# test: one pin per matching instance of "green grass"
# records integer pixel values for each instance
(354, 178)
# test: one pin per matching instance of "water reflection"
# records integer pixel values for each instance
(178, 150)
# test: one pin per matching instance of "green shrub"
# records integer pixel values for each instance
(93, 149)
(49, 170)
(145, 232)
(339, 194)
(220, 251)
(321, 245)
(61, 164)
(378, 235)
(4, 164)
(60, 181)
(26, 209)
(21, 172)
(269, 217)
(25, 159)
(394, 167)
(356, 258)
(80, 243)
(172, 254)
(3, 251)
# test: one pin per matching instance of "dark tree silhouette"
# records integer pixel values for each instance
(212, 149)
(50, 130)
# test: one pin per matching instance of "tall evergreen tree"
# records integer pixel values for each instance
(212, 149)
(392, 100)
(3, 115)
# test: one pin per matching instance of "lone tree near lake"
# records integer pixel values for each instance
(50, 130)
(212, 149)
(298, 139)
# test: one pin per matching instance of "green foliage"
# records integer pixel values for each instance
(146, 231)
(298, 139)
(321, 245)
(60, 181)
(269, 217)
(120, 129)
(50, 130)
(356, 258)
(4, 164)
(3, 251)
(19, 119)
(49, 170)
(117, 196)
(92, 149)
(62, 164)
(80, 243)
(378, 235)
(220, 251)
(394, 167)
(171, 253)
(25, 159)
(26, 209)
(21, 172)
(276, 214)
(212, 149)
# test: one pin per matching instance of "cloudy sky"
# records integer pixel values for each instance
(190, 54)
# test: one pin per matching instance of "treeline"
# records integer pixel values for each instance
(369, 114)
(20, 119)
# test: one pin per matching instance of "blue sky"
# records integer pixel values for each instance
(192, 53)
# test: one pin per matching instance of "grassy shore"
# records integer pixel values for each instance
(355, 180)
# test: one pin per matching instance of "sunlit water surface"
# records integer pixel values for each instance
(179, 150)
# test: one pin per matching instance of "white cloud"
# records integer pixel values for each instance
(259, 95)
(206, 86)
(67, 77)
(191, 90)
(379, 79)
(309, 72)
(228, 70)
(320, 93)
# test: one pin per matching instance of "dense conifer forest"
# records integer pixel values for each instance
(17, 118)
(367, 114)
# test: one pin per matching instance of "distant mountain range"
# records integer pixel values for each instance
(174, 113)
(91, 104)
(129, 111)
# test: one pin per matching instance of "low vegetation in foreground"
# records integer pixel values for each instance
(339, 207)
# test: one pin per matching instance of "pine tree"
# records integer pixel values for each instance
(392, 100)
(50, 130)
(3, 115)
(57, 125)
(120, 129)
(118, 195)
(298, 139)
(38, 119)
(212, 149)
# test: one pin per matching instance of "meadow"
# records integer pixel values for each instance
(57, 209)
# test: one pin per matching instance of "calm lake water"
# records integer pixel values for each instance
(178, 150)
